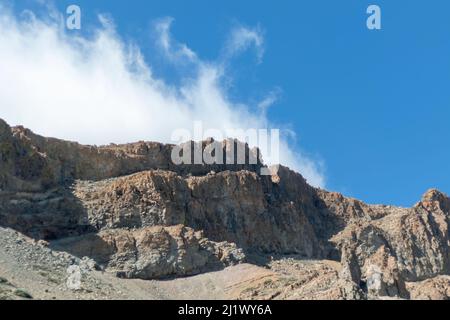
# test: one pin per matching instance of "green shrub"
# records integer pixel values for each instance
(23, 294)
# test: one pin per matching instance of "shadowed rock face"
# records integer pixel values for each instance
(153, 252)
(37, 176)
(138, 214)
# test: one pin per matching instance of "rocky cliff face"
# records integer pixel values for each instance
(153, 252)
(139, 215)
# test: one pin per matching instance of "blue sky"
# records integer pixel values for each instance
(372, 106)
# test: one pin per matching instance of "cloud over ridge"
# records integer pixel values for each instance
(100, 89)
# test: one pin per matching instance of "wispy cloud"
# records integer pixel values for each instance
(242, 38)
(173, 50)
(99, 89)
(269, 100)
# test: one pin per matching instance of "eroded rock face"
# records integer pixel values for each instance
(405, 245)
(228, 206)
(47, 215)
(140, 215)
(22, 167)
(153, 252)
(37, 175)
(144, 199)
(241, 207)
(437, 288)
(303, 279)
(64, 161)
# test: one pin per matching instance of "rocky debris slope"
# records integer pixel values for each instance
(296, 278)
(139, 215)
(32, 267)
(29, 268)
(9, 292)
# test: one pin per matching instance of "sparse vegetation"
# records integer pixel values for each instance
(3, 281)
(23, 294)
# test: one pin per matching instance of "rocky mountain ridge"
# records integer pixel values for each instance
(138, 215)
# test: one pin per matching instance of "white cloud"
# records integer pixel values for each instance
(99, 89)
(173, 50)
(269, 100)
(242, 38)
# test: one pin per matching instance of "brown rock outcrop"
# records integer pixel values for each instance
(405, 245)
(228, 206)
(153, 252)
(56, 161)
(437, 288)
